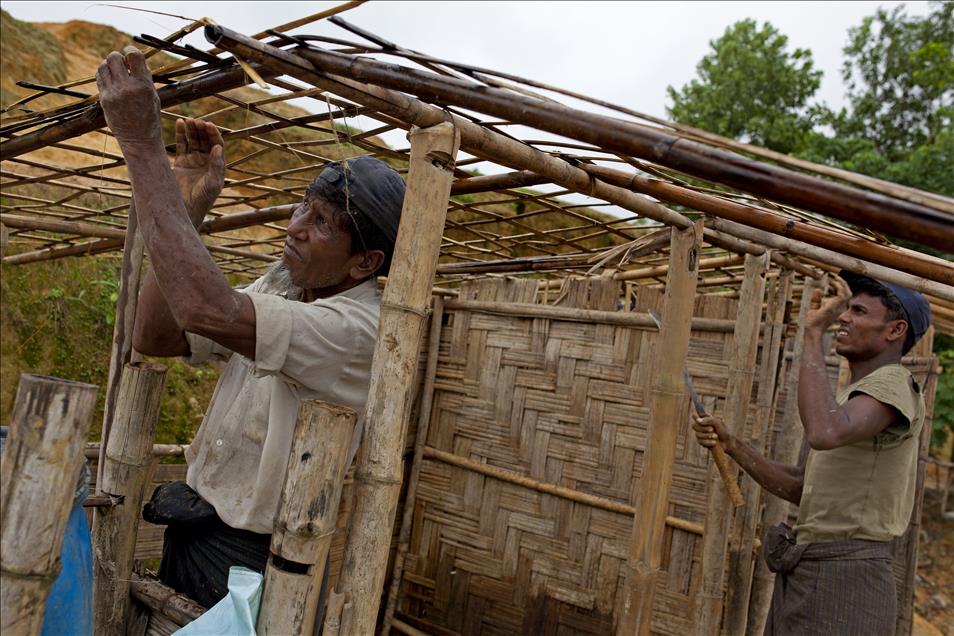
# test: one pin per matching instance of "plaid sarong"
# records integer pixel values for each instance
(839, 588)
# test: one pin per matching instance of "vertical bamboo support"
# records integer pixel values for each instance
(121, 352)
(667, 397)
(709, 597)
(424, 419)
(741, 544)
(41, 463)
(306, 518)
(403, 307)
(127, 470)
(786, 451)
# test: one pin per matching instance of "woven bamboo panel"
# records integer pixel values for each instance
(562, 403)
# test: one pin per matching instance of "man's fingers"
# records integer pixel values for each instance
(194, 137)
(215, 136)
(182, 143)
(136, 63)
(117, 65)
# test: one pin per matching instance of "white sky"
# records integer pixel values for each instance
(622, 52)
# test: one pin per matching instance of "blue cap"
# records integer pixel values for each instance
(371, 188)
(917, 310)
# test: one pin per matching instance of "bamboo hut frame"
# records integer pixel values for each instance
(768, 210)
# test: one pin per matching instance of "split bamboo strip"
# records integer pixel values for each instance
(902, 218)
(306, 518)
(121, 351)
(477, 140)
(786, 451)
(61, 226)
(666, 399)
(164, 600)
(742, 540)
(510, 476)
(41, 463)
(708, 603)
(624, 318)
(716, 262)
(759, 218)
(834, 259)
(403, 306)
(423, 423)
(158, 450)
(126, 474)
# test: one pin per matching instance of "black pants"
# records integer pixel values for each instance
(199, 548)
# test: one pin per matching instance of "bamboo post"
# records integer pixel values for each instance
(708, 602)
(741, 552)
(121, 352)
(41, 463)
(786, 451)
(127, 470)
(306, 518)
(667, 395)
(403, 307)
(424, 419)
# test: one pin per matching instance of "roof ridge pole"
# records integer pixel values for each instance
(403, 317)
(667, 399)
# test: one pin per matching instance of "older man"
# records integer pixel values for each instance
(305, 330)
(856, 491)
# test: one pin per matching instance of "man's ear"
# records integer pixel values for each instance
(367, 264)
(898, 331)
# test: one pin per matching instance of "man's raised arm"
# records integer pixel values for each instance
(198, 297)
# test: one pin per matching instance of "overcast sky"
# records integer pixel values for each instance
(622, 52)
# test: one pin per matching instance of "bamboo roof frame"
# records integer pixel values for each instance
(653, 172)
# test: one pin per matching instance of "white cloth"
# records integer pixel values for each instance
(320, 350)
(236, 614)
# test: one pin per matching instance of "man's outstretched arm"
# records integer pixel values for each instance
(779, 479)
(199, 170)
(199, 297)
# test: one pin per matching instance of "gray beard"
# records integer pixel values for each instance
(277, 280)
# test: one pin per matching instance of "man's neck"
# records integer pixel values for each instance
(861, 368)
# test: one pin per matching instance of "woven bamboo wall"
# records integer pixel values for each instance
(560, 403)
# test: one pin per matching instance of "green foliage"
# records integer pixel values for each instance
(752, 88)
(56, 318)
(944, 398)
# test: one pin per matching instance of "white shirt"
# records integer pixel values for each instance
(320, 350)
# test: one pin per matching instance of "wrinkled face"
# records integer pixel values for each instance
(317, 251)
(864, 330)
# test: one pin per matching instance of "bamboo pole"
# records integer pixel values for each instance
(490, 183)
(41, 463)
(477, 140)
(786, 451)
(121, 352)
(92, 117)
(126, 474)
(306, 518)
(715, 262)
(740, 569)
(834, 259)
(708, 602)
(423, 423)
(162, 599)
(899, 217)
(760, 218)
(563, 492)
(666, 399)
(403, 306)
(221, 224)
(574, 314)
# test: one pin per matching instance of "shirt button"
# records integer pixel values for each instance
(218, 442)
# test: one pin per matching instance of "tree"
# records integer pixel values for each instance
(899, 72)
(752, 88)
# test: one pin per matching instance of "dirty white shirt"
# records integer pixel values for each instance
(320, 350)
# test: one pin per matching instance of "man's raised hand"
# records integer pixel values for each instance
(823, 314)
(710, 430)
(129, 99)
(199, 166)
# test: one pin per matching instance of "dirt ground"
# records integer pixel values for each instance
(934, 590)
